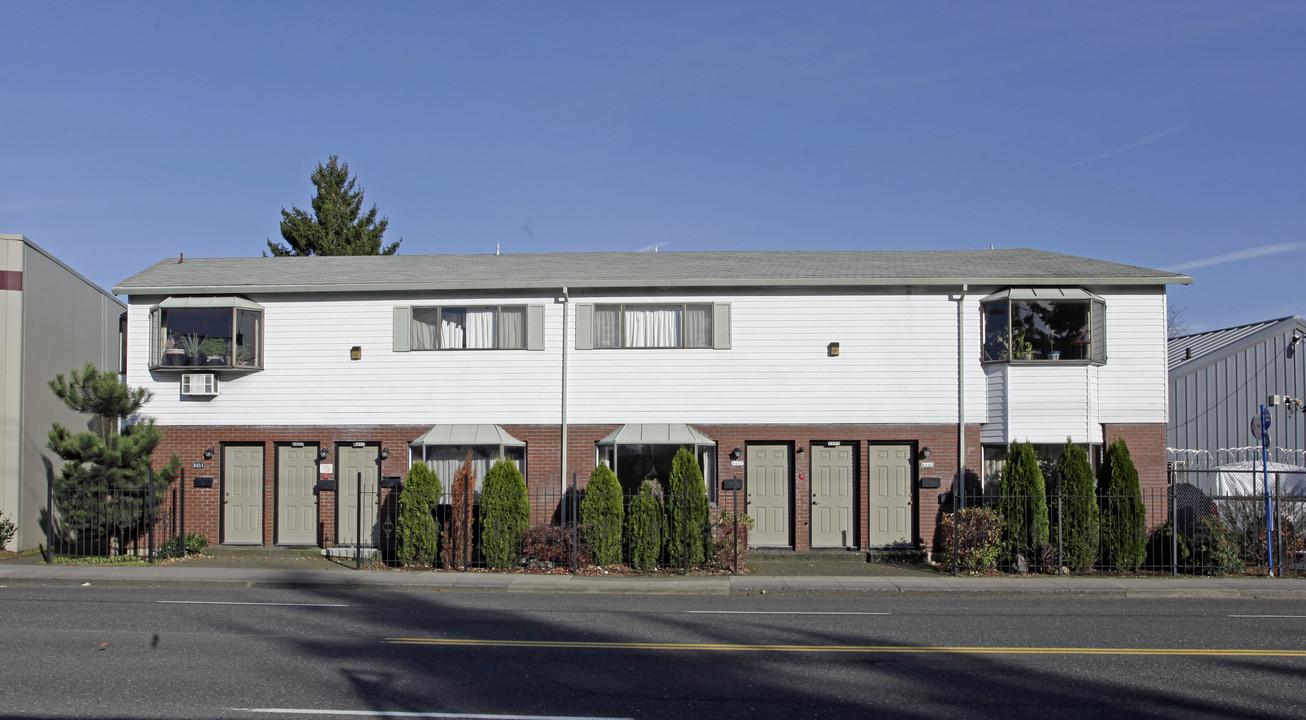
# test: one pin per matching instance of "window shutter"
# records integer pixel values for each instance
(585, 327)
(535, 327)
(721, 326)
(156, 345)
(402, 321)
(1098, 322)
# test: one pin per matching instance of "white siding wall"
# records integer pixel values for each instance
(897, 364)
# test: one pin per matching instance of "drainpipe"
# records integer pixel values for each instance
(959, 490)
(566, 312)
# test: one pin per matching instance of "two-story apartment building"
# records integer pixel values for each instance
(845, 389)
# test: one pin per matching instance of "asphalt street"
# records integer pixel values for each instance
(251, 653)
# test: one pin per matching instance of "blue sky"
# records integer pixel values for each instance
(1168, 135)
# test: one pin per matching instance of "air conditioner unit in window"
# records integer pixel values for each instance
(202, 384)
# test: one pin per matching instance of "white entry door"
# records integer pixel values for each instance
(891, 501)
(768, 494)
(355, 463)
(242, 494)
(832, 496)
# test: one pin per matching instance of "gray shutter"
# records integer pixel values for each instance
(535, 327)
(721, 326)
(402, 323)
(155, 357)
(1098, 321)
(585, 327)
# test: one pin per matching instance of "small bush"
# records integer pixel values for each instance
(687, 537)
(195, 544)
(724, 542)
(1215, 552)
(552, 545)
(7, 530)
(644, 524)
(505, 514)
(978, 544)
(1161, 549)
(419, 500)
(602, 513)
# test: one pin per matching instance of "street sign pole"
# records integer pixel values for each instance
(1265, 485)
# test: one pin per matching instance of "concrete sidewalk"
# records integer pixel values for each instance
(919, 583)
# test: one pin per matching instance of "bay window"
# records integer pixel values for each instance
(1044, 324)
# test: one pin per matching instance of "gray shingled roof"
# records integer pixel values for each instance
(579, 270)
(1217, 342)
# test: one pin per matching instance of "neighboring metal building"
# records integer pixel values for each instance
(1219, 380)
(51, 320)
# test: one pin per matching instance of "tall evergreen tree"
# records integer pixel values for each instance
(1079, 513)
(1023, 504)
(335, 227)
(505, 514)
(687, 512)
(418, 503)
(103, 491)
(601, 513)
(1123, 515)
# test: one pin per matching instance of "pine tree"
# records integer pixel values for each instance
(1023, 504)
(505, 514)
(418, 503)
(601, 513)
(335, 227)
(644, 523)
(1123, 515)
(687, 512)
(1079, 513)
(104, 492)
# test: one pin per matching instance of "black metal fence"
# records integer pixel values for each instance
(1204, 522)
(109, 519)
(547, 532)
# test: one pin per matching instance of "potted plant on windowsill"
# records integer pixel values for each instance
(214, 350)
(1021, 347)
(173, 356)
(191, 345)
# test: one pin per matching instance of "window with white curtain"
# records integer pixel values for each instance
(468, 328)
(653, 326)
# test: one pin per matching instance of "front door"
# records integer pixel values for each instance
(355, 463)
(296, 506)
(768, 494)
(242, 494)
(832, 496)
(891, 501)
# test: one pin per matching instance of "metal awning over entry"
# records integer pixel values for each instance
(465, 434)
(656, 434)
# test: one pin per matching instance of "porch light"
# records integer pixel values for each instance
(925, 452)
(356, 352)
(736, 453)
(322, 453)
(208, 453)
(832, 349)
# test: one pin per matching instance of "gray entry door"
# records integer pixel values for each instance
(768, 494)
(242, 494)
(352, 462)
(296, 506)
(891, 501)
(832, 496)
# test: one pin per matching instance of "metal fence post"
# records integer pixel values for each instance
(1278, 535)
(181, 526)
(684, 536)
(1061, 547)
(49, 520)
(358, 529)
(735, 502)
(1174, 527)
(150, 492)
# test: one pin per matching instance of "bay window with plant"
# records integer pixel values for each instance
(216, 332)
(1044, 325)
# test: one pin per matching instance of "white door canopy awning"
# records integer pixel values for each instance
(656, 434)
(467, 434)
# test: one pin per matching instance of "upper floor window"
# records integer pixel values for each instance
(219, 332)
(466, 327)
(692, 325)
(1044, 324)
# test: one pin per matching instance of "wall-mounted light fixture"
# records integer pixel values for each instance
(799, 451)
(385, 453)
(208, 453)
(832, 349)
(925, 452)
(736, 454)
(356, 352)
(322, 452)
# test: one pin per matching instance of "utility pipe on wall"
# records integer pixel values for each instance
(959, 488)
(566, 304)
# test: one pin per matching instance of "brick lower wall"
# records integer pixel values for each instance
(1146, 443)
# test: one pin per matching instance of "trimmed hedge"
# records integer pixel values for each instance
(1123, 515)
(505, 514)
(418, 531)
(644, 525)
(601, 514)
(1080, 522)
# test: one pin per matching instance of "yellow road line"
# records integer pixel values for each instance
(731, 647)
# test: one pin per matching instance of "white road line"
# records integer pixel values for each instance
(396, 713)
(1267, 616)
(217, 602)
(776, 612)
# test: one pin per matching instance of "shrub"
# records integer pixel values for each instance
(456, 536)
(1215, 552)
(550, 545)
(644, 524)
(419, 500)
(505, 514)
(1161, 549)
(1123, 515)
(1023, 505)
(195, 544)
(977, 545)
(1079, 513)
(687, 508)
(7, 530)
(724, 541)
(601, 513)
